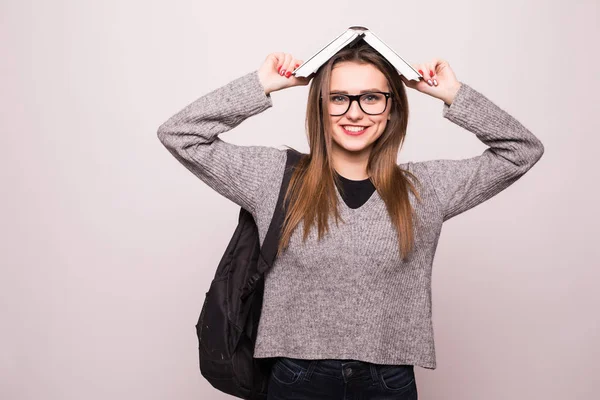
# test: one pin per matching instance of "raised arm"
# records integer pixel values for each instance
(236, 172)
(513, 150)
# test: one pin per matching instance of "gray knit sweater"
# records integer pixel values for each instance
(348, 296)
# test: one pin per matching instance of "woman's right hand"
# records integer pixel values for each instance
(270, 72)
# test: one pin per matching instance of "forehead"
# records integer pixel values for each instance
(352, 77)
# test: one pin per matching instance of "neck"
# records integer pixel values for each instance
(351, 164)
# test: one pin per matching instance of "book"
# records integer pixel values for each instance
(348, 38)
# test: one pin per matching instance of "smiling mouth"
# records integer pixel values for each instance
(354, 130)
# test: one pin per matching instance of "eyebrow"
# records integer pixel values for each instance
(362, 91)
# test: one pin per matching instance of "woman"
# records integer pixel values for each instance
(347, 304)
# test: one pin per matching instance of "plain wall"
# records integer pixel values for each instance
(108, 244)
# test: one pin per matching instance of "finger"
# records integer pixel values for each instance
(286, 64)
(434, 66)
(291, 66)
(416, 67)
(429, 73)
(296, 63)
(280, 59)
(426, 68)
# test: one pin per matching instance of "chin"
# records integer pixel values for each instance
(353, 146)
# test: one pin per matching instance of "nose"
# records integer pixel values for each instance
(354, 111)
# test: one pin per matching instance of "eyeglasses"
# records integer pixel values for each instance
(372, 103)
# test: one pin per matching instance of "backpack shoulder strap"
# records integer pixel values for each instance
(268, 251)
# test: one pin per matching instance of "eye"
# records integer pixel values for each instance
(371, 97)
(338, 98)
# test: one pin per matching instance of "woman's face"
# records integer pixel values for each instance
(352, 78)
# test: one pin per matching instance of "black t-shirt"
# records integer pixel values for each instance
(356, 193)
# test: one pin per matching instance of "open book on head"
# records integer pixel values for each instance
(348, 38)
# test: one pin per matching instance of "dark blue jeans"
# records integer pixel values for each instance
(298, 379)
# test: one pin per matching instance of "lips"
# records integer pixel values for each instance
(353, 133)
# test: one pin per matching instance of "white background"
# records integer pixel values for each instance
(108, 244)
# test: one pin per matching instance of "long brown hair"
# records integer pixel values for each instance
(311, 193)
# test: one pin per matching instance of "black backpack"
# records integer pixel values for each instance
(228, 322)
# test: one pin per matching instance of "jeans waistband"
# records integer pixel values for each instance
(342, 369)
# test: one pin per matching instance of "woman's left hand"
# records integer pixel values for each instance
(444, 84)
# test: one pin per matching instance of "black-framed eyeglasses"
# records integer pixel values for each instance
(372, 103)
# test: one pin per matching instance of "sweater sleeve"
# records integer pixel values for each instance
(513, 150)
(236, 172)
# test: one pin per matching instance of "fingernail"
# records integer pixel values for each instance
(421, 72)
(279, 69)
(430, 83)
(287, 74)
(431, 73)
(435, 82)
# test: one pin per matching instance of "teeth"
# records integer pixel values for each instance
(354, 128)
